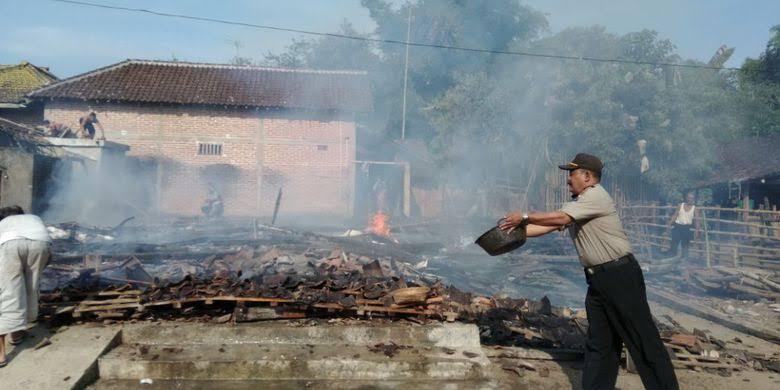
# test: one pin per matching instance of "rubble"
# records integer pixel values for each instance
(698, 350)
(281, 274)
(736, 282)
(741, 298)
(284, 274)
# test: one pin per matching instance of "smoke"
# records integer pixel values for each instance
(482, 133)
(492, 126)
(101, 192)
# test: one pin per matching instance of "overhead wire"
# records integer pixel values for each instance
(392, 41)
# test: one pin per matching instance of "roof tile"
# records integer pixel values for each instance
(212, 84)
(17, 80)
(746, 158)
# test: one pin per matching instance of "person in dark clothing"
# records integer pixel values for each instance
(213, 207)
(87, 124)
(616, 302)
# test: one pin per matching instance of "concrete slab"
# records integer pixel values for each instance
(300, 362)
(69, 362)
(302, 384)
(455, 335)
(290, 356)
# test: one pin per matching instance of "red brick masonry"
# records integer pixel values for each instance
(265, 128)
(309, 153)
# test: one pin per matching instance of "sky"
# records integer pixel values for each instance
(71, 39)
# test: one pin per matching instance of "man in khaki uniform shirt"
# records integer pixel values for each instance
(596, 229)
(616, 302)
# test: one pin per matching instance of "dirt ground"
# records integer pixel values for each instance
(566, 375)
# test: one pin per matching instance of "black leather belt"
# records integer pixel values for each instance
(611, 264)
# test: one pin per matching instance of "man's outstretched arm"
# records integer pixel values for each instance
(551, 218)
(554, 219)
(537, 230)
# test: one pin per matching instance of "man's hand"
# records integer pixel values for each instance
(511, 221)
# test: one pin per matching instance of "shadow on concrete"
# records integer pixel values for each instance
(573, 372)
(34, 336)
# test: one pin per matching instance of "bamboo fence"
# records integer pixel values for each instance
(724, 236)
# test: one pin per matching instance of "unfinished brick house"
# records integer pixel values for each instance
(247, 130)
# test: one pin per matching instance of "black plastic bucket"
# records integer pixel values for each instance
(497, 242)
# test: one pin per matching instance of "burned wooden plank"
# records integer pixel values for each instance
(535, 354)
(115, 293)
(693, 363)
(109, 301)
(250, 314)
(690, 307)
(87, 309)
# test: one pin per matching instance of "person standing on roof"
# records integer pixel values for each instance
(87, 126)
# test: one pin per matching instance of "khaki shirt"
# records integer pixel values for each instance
(596, 231)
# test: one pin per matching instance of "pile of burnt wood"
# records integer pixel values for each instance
(277, 274)
(697, 349)
(742, 282)
(256, 283)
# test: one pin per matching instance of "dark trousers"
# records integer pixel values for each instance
(682, 236)
(618, 311)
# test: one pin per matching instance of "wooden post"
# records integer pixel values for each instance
(93, 261)
(158, 186)
(407, 190)
(736, 257)
(706, 239)
(746, 210)
(652, 211)
(276, 206)
(717, 216)
(646, 246)
(259, 162)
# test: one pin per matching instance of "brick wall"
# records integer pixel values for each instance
(309, 154)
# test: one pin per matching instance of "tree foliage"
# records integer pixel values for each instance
(481, 111)
(760, 89)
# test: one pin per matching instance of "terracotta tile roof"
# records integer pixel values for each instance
(18, 80)
(747, 158)
(212, 84)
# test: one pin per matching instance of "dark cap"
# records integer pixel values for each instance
(584, 161)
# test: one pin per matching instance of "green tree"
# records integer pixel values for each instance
(483, 113)
(605, 108)
(765, 68)
(759, 97)
(492, 24)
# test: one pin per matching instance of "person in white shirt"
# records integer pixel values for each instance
(683, 231)
(24, 253)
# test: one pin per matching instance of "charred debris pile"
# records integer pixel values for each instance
(198, 272)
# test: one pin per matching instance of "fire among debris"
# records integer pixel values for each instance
(379, 224)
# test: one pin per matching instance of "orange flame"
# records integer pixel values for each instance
(379, 224)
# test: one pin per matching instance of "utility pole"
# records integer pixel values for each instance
(406, 71)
